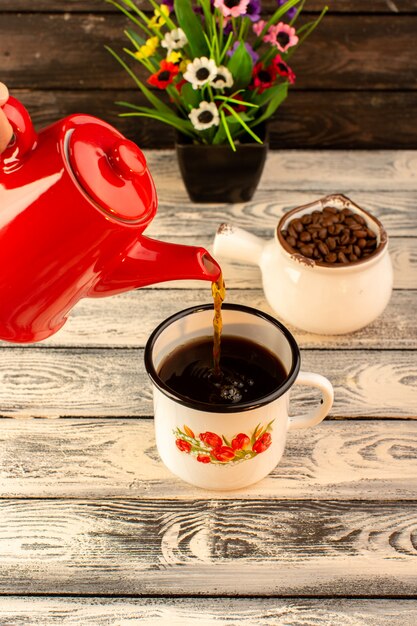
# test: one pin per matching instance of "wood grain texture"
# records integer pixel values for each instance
(208, 547)
(113, 383)
(128, 319)
(17, 611)
(89, 459)
(345, 54)
(321, 171)
(308, 119)
(335, 6)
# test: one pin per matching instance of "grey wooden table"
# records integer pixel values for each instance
(94, 529)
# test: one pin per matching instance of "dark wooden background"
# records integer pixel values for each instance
(356, 88)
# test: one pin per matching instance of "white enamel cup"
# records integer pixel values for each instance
(225, 447)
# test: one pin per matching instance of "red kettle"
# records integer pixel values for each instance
(74, 201)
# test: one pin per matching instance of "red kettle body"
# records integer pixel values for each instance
(74, 201)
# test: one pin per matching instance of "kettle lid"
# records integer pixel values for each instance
(113, 171)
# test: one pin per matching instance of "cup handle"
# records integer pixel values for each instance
(315, 416)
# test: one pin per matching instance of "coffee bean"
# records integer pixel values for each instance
(360, 233)
(307, 250)
(324, 250)
(359, 219)
(305, 236)
(331, 236)
(331, 242)
(342, 257)
(297, 225)
(330, 209)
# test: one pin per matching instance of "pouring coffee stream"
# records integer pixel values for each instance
(75, 199)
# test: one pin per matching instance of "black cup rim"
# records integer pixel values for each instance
(220, 408)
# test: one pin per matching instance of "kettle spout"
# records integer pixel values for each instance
(150, 261)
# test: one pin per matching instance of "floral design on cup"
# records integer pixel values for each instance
(209, 447)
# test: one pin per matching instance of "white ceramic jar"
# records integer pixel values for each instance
(318, 298)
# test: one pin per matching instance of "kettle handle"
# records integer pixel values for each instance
(24, 133)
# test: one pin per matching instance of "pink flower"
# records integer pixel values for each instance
(232, 8)
(258, 27)
(282, 36)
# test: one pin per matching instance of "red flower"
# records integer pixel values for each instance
(182, 445)
(262, 443)
(203, 458)
(240, 441)
(283, 69)
(224, 453)
(211, 439)
(263, 77)
(164, 76)
(179, 85)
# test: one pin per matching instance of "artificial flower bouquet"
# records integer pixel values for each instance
(223, 68)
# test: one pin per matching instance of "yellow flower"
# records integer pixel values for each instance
(148, 49)
(158, 19)
(177, 58)
(174, 57)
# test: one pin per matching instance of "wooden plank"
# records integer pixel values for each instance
(335, 6)
(128, 319)
(89, 459)
(36, 382)
(17, 611)
(208, 547)
(339, 56)
(308, 119)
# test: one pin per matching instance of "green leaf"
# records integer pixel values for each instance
(279, 94)
(136, 39)
(154, 100)
(190, 96)
(192, 27)
(240, 65)
(239, 118)
(182, 125)
(224, 132)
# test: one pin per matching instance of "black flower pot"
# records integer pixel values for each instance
(217, 173)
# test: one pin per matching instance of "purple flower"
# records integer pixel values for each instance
(254, 10)
(254, 55)
(169, 4)
(291, 13)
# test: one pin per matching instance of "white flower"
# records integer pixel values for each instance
(222, 79)
(174, 40)
(200, 72)
(205, 116)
